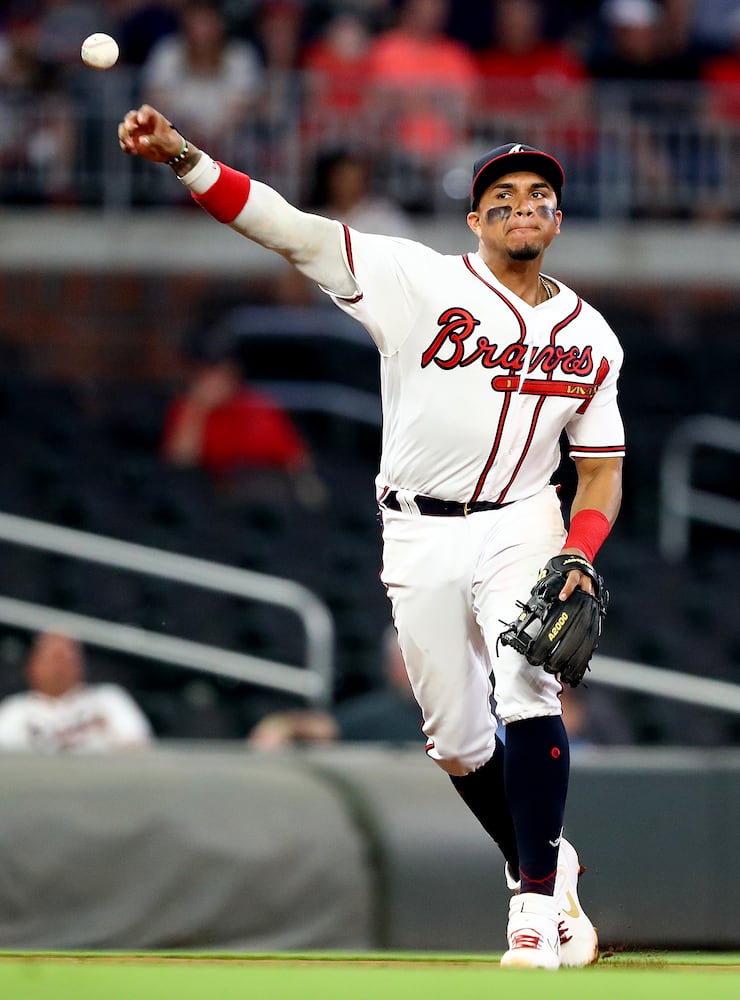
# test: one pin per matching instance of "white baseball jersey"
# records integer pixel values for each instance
(477, 385)
(90, 717)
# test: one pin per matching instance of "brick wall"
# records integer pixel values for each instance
(125, 326)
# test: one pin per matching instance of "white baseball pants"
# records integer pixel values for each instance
(453, 583)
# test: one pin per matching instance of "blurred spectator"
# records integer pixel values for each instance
(721, 75)
(424, 82)
(278, 35)
(205, 80)
(336, 68)
(238, 433)
(530, 82)
(344, 191)
(592, 717)
(529, 74)
(61, 712)
(387, 714)
(37, 125)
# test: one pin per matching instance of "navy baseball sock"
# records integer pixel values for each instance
(482, 791)
(536, 769)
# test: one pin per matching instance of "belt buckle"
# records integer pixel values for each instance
(466, 509)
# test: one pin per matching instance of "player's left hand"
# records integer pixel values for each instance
(576, 578)
(558, 635)
(147, 133)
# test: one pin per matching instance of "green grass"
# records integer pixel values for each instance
(318, 976)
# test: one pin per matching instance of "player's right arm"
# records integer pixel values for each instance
(311, 243)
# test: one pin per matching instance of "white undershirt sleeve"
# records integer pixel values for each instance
(312, 243)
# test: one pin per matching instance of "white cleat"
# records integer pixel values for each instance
(579, 942)
(532, 932)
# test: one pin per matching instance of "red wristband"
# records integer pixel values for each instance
(588, 531)
(225, 199)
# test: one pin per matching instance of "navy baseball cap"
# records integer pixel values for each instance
(510, 157)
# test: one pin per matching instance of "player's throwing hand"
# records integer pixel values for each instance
(147, 133)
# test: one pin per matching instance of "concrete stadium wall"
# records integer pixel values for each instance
(213, 847)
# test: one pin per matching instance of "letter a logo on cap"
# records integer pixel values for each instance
(519, 148)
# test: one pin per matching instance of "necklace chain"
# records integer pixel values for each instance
(546, 286)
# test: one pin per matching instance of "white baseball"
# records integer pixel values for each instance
(99, 51)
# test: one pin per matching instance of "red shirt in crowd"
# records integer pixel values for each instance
(722, 76)
(544, 72)
(247, 430)
(340, 82)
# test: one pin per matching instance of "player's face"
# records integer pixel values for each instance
(517, 216)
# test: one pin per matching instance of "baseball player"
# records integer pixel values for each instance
(485, 361)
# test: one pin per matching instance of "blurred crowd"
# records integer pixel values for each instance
(409, 82)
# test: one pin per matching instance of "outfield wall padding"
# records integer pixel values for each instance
(212, 847)
(177, 850)
(657, 830)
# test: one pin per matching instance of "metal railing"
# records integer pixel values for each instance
(680, 502)
(704, 692)
(313, 681)
(663, 149)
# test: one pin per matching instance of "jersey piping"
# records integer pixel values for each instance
(549, 386)
(505, 406)
(350, 264)
(607, 449)
(541, 384)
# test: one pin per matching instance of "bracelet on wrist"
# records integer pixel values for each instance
(179, 157)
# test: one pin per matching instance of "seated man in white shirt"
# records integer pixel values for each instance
(61, 712)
